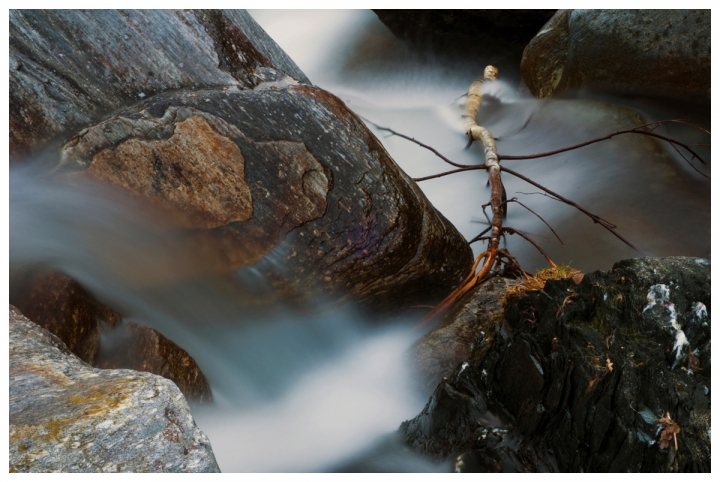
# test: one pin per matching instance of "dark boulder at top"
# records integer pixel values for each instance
(610, 375)
(69, 68)
(62, 306)
(286, 168)
(664, 52)
(490, 34)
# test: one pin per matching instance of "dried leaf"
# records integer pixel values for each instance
(609, 365)
(670, 433)
(693, 362)
(666, 420)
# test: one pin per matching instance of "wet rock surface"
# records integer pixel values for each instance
(141, 348)
(452, 341)
(601, 376)
(62, 306)
(69, 68)
(632, 51)
(284, 168)
(68, 417)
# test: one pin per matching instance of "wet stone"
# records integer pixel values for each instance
(587, 385)
(66, 416)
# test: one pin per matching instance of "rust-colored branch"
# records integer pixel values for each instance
(497, 191)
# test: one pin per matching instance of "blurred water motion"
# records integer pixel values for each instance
(657, 201)
(316, 392)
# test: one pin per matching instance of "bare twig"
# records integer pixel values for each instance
(411, 139)
(530, 240)
(634, 130)
(515, 200)
(688, 161)
(471, 168)
(597, 219)
(479, 236)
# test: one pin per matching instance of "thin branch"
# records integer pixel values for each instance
(431, 149)
(688, 122)
(530, 240)
(539, 193)
(479, 236)
(447, 173)
(634, 130)
(597, 219)
(688, 161)
(502, 138)
(540, 217)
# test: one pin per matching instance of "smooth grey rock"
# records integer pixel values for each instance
(68, 417)
(635, 51)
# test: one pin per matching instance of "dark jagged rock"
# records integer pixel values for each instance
(285, 168)
(69, 68)
(665, 52)
(68, 417)
(582, 376)
(62, 306)
(140, 348)
(452, 341)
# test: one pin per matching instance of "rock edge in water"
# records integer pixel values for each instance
(581, 378)
(68, 417)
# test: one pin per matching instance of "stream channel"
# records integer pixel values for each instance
(325, 392)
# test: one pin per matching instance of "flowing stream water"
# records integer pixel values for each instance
(325, 391)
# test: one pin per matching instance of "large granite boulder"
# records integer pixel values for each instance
(609, 375)
(68, 417)
(665, 52)
(286, 168)
(62, 306)
(224, 140)
(68, 68)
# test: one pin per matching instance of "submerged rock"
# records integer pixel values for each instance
(68, 417)
(590, 377)
(68, 68)
(62, 306)
(633, 51)
(285, 169)
(140, 348)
